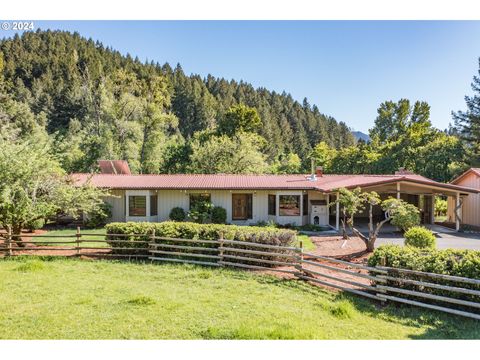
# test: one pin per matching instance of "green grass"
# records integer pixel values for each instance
(306, 241)
(80, 299)
(68, 232)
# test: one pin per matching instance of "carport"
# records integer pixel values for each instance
(413, 189)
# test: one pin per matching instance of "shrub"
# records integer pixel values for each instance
(405, 216)
(177, 214)
(201, 212)
(420, 237)
(141, 231)
(35, 225)
(219, 215)
(99, 218)
(463, 263)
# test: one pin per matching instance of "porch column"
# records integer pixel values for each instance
(337, 214)
(432, 214)
(457, 209)
(398, 190)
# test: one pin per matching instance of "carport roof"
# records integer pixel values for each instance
(325, 183)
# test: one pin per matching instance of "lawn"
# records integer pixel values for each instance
(69, 232)
(80, 299)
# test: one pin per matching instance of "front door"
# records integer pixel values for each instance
(239, 204)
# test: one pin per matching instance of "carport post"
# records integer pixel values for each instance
(337, 213)
(398, 190)
(457, 209)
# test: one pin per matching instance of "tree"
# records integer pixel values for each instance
(397, 211)
(289, 164)
(468, 122)
(323, 155)
(351, 202)
(240, 154)
(33, 186)
(394, 118)
(239, 118)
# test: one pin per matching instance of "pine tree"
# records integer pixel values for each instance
(468, 122)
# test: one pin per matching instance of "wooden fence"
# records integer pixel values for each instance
(451, 294)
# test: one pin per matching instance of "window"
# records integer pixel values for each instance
(289, 205)
(305, 204)
(137, 206)
(153, 205)
(272, 205)
(194, 198)
(242, 208)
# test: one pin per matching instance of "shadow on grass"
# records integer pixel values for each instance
(438, 325)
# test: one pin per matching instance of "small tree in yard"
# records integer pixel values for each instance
(351, 202)
(398, 212)
(33, 186)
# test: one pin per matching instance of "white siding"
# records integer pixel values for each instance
(117, 201)
(168, 199)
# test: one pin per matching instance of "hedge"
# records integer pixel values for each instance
(464, 263)
(189, 230)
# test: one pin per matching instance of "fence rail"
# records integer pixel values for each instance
(446, 293)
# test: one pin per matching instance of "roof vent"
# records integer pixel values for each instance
(117, 167)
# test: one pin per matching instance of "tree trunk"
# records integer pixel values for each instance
(16, 235)
(344, 230)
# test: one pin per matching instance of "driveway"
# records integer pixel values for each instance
(446, 239)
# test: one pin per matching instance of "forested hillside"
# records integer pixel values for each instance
(95, 103)
(87, 102)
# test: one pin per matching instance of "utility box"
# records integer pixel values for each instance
(319, 213)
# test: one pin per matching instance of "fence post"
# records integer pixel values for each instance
(299, 259)
(77, 240)
(9, 241)
(383, 262)
(152, 242)
(220, 250)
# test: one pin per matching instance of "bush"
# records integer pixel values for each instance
(141, 231)
(463, 263)
(99, 218)
(219, 215)
(177, 214)
(35, 225)
(420, 237)
(201, 212)
(406, 216)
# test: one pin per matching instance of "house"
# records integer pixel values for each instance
(469, 209)
(249, 199)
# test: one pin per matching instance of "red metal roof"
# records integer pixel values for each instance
(114, 167)
(326, 183)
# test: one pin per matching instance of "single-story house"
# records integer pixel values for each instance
(469, 209)
(249, 199)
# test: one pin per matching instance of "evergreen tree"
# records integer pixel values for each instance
(468, 122)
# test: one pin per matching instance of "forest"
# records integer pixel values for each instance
(84, 102)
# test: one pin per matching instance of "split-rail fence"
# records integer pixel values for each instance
(446, 293)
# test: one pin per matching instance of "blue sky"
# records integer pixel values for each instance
(347, 68)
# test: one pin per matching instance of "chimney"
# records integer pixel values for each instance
(319, 171)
